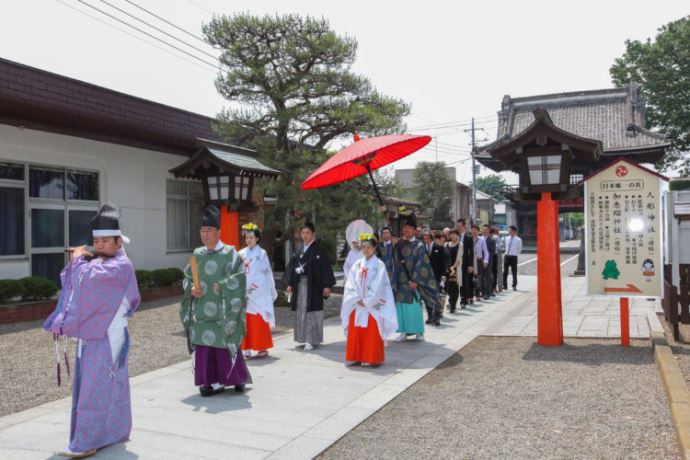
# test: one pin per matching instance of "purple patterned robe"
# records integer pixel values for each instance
(92, 293)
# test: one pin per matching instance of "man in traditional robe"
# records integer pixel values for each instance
(214, 314)
(385, 250)
(368, 312)
(413, 280)
(310, 280)
(99, 293)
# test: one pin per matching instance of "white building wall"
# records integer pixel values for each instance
(132, 178)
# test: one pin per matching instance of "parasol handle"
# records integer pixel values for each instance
(378, 194)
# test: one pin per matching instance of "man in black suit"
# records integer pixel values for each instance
(488, 275)
(467, 288)
(437, 260)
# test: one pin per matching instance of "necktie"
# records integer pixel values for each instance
(510, 244)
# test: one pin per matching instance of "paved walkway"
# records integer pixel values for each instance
(583, 316)
(299, 404)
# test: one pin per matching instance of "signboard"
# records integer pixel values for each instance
(624, 231)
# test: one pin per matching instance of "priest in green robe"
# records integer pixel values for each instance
(214, 315)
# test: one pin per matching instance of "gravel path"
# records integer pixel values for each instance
(505, 397)
(27, 357)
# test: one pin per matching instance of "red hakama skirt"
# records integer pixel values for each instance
(258, 336)
(364, 344)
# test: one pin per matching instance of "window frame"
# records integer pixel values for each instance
(189, 197)
(19, 184)
(65, 204)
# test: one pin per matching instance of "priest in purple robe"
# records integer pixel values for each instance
(99, 293)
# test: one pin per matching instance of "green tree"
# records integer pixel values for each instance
(492, 185)
(292, 93)
(662, 67)
(433, 189)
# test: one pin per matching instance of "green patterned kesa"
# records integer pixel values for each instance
(216, 319)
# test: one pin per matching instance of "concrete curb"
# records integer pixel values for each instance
(677, 390)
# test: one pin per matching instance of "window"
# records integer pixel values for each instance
(544, 170)
(61, 205)
(11, 171)
(241, 188)
(47, 183)
(11, 220)
(183, 216)
(82, 185)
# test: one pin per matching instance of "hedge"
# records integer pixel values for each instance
(10, 289)
(159, 278)
(38, 288)
(143, 278)
(29, 288)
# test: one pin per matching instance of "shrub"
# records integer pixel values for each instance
(162, 277)
(143, 278)
(9, 289)
(37, 288)
(177, 274)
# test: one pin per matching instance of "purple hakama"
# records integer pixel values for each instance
(214, 365)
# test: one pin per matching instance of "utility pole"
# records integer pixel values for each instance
(473, 217)
(436, 149)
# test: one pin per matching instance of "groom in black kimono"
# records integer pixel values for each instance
(310, 279)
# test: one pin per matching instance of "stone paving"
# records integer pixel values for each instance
(583, 316)
(299, 404)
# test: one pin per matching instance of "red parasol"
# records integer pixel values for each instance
(364, 156)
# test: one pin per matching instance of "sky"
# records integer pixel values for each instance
(450, 60)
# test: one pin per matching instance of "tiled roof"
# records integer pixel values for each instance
(223, 157)
(613, 116)
(42, 100)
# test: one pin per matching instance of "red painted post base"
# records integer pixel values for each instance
(230, 227)
(549, 307)
(625, 322)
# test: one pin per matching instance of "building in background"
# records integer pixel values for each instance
(616, 117)
(460, 200)
(67, 146)
(485, 208)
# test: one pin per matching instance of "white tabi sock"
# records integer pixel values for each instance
(216, 386)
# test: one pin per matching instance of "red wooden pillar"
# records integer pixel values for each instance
(625, 322)
(230, 227)
(549, 307)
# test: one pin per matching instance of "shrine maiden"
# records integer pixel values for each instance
(261, 293)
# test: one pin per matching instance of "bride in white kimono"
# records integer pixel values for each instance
(368, 312)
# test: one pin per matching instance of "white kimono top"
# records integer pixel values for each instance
(368, 280)
(261, 288)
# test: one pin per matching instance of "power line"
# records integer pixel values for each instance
(452, 123)
(168, 22)
(199, 6)
(113, 26)
(136, 18)
(149, 35)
